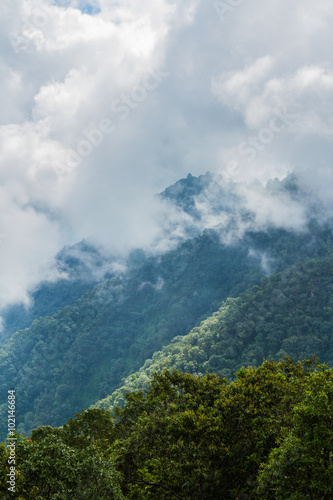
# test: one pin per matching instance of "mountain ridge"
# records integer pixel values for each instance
(290, 313)
(65, 362)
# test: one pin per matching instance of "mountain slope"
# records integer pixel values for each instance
(290, 313)
(80, 266)
(194, 203)
(66, 362)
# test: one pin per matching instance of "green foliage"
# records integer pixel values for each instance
(194, 438)
(89, 428)
(47, 300)
(302, 466)
(268, 434)
(66, 463)
(68, 361)
(290, 313)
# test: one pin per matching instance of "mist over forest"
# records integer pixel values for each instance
(166, 246)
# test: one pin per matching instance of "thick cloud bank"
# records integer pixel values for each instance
(105, 103)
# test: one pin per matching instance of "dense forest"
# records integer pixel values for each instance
(166, 250)
(266, 435)
(290, 313)
(194, 373)
(68, 361)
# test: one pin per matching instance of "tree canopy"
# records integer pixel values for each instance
(266, 434)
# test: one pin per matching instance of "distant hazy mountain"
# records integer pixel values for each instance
(82, 266)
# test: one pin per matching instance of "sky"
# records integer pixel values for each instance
(103, 104)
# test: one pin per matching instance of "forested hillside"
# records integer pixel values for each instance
(291, 313)
(68, 361)
(78, 267)
(265, 435)
(166, 250)
(64, 363)
(81, 266)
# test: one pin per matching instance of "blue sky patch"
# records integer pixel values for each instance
(90, 9)
(85, 7)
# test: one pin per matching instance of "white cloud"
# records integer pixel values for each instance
(258, 90)
(277, 210)
(27, 249)
(62, 70)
